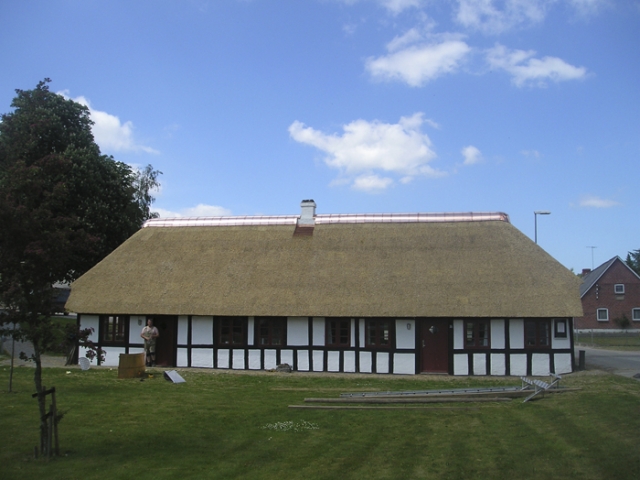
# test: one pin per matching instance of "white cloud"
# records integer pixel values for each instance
(588, 7)
(471, 155)
(109, 133)
(372, 183)
(597, 202)
(397, 6)
(365, 148)
(531, 153)
(496, 16)
(414, 60)
(525, 69)
(393, 6)
(200, 210)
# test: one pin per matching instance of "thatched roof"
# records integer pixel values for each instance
(402, 266)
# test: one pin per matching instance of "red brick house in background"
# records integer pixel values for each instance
(610, 294)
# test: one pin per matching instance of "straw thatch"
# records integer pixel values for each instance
(458, 269)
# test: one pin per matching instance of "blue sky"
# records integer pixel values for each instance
(366, 106)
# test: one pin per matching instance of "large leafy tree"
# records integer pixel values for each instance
(633, 260)
(63, 207)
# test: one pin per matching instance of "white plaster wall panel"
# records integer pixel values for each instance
(497, 334)
(202, 357)
(382, 362)
(303, 360)
(297, 331)
(254, 360)
(479, 364)
(349, 362)
(250, 331)
(318, 331)
(458, 334)
(518, 364)
(136, 350)
(361, 327)
(405, 337)
(286, 356)
(112, 356)
(238, 359)
(333, 361)
(223, 358)
(270, 359)
(540, 364)
(516, 334)
(498, 364)
(183, 330)
(404, 363)
(318, 361)
(354, 324)
(92, 321)
(136, 324)
(201, 330)
(182, 358)
(365, 362)
(563, 363)
(460, 364)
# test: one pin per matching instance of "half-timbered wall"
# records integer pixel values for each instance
(305, 346)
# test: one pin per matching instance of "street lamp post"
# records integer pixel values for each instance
(535, 216)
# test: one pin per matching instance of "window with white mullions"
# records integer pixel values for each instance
(378, 333)
(271, 331)
(232, 331)
(338, 333)
(477, 334)
(537, 333)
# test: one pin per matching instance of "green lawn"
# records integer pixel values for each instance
(220, 425)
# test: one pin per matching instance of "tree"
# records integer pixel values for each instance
(633, 260)
(63, 207)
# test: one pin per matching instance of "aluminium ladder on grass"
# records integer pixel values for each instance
(539, 386)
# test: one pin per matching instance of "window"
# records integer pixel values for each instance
(476, 334)
(537, 333)
(618, 288)
(338, 333)
(271, 331)
(635, 314)
(112, 328)
(378, 332)
(560, 328)
(232, 331)
(603, 315)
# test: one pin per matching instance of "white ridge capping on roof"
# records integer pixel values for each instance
(327, 219)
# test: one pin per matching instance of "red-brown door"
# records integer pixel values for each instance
(434, 346)
(166, 343)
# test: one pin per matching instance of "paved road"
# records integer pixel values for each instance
(622, 363)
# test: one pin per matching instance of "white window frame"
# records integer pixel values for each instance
(618, 288)
(606, 311)
(635, 314)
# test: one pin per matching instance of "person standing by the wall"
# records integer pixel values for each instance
(149, 334)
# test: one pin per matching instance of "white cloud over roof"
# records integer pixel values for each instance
(200, 210)
(366, 148)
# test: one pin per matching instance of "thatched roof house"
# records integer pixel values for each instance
(396, 266)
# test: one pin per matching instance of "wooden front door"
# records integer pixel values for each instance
(434, 346)
(166, 343)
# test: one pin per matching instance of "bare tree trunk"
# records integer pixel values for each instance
(37, 377)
